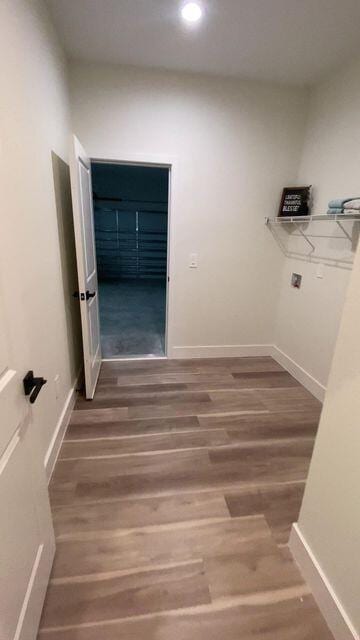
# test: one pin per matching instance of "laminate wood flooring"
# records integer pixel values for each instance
(173, 498)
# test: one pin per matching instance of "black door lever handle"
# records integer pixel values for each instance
(84, 296)
(33, 386)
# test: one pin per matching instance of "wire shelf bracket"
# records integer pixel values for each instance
(299, 221)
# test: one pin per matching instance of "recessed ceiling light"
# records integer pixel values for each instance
(191, 12)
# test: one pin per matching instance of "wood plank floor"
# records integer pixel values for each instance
(173, 498)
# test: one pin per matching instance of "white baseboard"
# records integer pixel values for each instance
(307, 380)
(60, 429)
(253, 350)
(221, 351)
(324, 594)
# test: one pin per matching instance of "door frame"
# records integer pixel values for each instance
(164, 162)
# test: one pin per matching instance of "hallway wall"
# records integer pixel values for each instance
(236, 144)
(34, 123)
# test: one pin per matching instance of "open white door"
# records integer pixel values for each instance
(81, 189)
(27, 543)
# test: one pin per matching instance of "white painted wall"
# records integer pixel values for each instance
(34, 122)
(308, 319)
(234, 143)
(329, 521)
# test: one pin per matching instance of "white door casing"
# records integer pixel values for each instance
(171, 163)
(27, 543)
(81, 190)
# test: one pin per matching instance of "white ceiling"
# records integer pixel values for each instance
(293, 41)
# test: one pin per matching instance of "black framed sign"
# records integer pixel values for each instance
(295, 201)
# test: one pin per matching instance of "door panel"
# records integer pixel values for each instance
(26, 533)
(87, 220)
(81, 189)
(12, 409)
(94, 327)
(21, 540)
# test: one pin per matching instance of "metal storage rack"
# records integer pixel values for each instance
(131, 244)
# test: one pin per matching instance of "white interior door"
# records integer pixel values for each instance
(81, 189)
(27, 543)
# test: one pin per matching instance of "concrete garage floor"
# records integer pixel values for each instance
(132, 317)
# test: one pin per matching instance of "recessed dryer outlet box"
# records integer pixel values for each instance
(296, 280)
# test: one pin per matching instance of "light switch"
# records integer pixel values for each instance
(320, 270)
(193, 261)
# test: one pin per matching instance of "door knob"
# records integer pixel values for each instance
(33, 386)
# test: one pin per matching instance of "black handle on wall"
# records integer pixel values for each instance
(33, 386)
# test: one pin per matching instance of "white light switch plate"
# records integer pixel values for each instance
(193, 261)
(320, 270)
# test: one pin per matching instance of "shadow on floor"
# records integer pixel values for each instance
(132, 317)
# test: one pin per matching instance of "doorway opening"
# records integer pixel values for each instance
(131, 237)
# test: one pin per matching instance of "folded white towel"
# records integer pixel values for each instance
(352, 204)
(351, 211)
